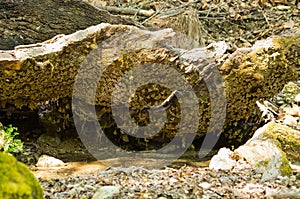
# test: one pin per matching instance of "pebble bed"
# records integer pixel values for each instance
(185, 182)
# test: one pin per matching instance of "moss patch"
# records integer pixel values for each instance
(16, 181)
(285, 168)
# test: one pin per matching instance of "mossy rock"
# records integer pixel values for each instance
(288, 139)
(265, 156)
(16, 180)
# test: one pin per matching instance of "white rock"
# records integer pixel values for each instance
(48, 161)
(2, 136)
(290, 120)
(205, 185)
(1, 143)
(293, 111)
(295, 168)
(297, 98)
(259, 133)
(106, 192)
(264, 156)
(223, 160)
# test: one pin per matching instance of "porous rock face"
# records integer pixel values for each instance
(255, 74)
(36, 73)
(16, 180)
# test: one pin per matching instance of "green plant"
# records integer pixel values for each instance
(8, 142)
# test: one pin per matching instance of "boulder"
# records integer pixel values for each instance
(270, 149)
(226, 89)
(265, 157)
(286, 139)
(268, 152)
(16, 180)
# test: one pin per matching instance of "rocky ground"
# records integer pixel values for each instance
(183, 179)
(186, 178)
(185, 182)
(238, 23)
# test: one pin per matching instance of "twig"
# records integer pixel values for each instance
(205, 13)
(141, 6)
(211, 17)
(176, 10)
(166, 104)
(210, 9)
(238, 25)
(209, 35)
(170, 13)
(266, 18)
(219, 194)
(187, 4)
(155, 14)
(129, 11)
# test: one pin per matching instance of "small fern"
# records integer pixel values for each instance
(8, 142)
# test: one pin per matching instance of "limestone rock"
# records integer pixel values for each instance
(16, 180)
(48, 161)
(288, 138)
(223, 160)
(265, 157)
(264, 153)
(106, 192)
(297, 98)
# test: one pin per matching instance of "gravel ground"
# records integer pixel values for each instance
(185, 182)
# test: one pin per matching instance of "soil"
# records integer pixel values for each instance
(238, 23)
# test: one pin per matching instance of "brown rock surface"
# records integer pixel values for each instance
(36, 73)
